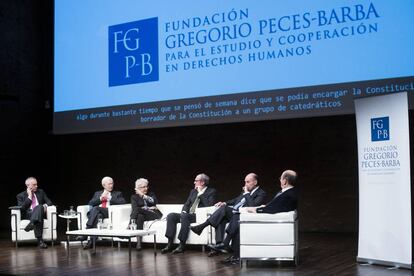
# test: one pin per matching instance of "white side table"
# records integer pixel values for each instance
(69, 218)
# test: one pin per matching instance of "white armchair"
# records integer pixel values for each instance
(269, 236)
(18, 224)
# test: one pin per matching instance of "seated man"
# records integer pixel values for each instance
(284, 201)
(200, 196)
(100, 202)
(33, 203)
(252, 195)
(143, 205)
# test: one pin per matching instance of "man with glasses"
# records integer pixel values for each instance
(144, 206)
(200, 196)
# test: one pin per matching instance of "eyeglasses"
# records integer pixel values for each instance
(198, 180)
(142, 187)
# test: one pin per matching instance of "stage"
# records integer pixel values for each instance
(319, 254)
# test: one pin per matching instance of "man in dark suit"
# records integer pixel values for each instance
(100, 202)
(284, 201)
(33, 203)
(252, 195)
(144, 206)
(200, 196)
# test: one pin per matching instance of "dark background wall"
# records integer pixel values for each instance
(69, 168)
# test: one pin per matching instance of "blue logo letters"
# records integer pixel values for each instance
(380, 129)
(133, 52)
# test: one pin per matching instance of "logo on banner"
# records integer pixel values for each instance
(380, 129)
(133, 52)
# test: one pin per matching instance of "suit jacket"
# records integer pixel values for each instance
(208, 198)
(116, 199)
(24, 201)
(137, 201)
(252, 200)
(285, 202)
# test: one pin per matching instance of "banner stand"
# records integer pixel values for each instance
(384, 235)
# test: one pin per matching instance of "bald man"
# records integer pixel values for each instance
(100, 202)
(284, 201)
(252, 195)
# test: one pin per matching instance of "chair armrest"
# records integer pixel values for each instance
(262, 217)
(203, 213)
(15, 214)
(51, 215)
(82, 216)
(119, 215)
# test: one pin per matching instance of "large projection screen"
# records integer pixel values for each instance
(131, 64)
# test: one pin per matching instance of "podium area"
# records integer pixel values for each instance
(319, 254)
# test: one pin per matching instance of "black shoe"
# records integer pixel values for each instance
(42, 245)
(167, 249)
(213, 253)
(235, 261)
(232, 260)
(88, 245)
(198, 229)
(81, 238)
(179, 249)
(221, 247)
(29, 227)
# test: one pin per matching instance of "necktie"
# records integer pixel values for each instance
(104, 200)
(34, 201)
(239, 204)
(195, 205)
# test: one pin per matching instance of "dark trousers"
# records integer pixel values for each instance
(94, 215)
(233, 231)
(219, 219)
(141, 215)
(185, 220)
(36, 216)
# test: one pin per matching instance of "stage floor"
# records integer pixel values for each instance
(319, 254)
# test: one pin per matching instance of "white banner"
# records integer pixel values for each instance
(384, 180)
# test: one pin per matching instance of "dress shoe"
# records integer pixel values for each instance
(179, 249)
(29, 227)
(198, 229)
(235, 261)
(42, 245)
(213, 253)
(81, 238)
(167, 249)
(88, 245)
(221, 247)
(231, 260)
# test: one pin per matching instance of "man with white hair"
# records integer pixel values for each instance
(100, 202)
(33, 203)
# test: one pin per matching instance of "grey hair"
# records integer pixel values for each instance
(204, 178)
(140, 182)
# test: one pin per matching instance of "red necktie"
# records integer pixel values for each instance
(34, 201)
(104, 200)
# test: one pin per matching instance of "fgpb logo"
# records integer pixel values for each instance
(133, 52)
(380, 129)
